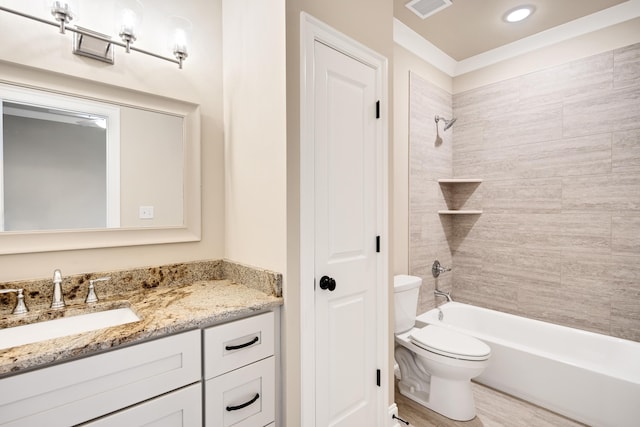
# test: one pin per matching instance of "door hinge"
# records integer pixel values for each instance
(377, 243)
(377, 109)
(378, 377)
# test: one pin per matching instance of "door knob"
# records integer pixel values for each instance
(327, 282)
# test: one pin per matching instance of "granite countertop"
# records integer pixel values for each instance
(162, 310)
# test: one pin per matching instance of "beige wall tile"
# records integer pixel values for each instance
(566, 307)
(625, 297)
(625, 234)
(582, 232)
(461, 196)
(555, 84)
(625, 152)
(488, 102)
(601, 112)
(523, 125)
(613, 193)
(626, 66)
(522, 196)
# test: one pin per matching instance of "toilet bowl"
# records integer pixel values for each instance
(436, 363)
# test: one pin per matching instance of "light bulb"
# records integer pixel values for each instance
(180, 36)
(64, 12)
(518, 14)
(129, 19)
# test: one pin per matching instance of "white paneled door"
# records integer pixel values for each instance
(346, 206)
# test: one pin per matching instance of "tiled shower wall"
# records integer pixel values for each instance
(430, 156)
(559, 154)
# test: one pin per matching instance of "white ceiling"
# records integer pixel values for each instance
(471, 27)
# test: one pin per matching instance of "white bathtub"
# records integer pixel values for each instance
(588, 377)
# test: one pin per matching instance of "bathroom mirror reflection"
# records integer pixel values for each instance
(62, 169)
(96, 168)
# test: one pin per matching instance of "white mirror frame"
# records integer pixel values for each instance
(61, 240)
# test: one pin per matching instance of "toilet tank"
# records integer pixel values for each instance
(405, 296)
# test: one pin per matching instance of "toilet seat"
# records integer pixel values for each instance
(449, 343)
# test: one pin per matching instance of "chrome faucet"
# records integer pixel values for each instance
(58, 298)
(20, 307)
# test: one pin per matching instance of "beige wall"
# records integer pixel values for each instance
(371, 23)
(40, 47)
(155, 180)
(255, 132)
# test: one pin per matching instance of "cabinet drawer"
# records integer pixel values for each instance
(78, 391)
(236, 344)
(180, 408)
(242, 398)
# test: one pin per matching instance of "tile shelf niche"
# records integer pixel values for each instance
(455, 182)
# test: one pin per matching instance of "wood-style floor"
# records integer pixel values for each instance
(494, 409)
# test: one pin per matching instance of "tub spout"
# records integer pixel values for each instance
(440, 293)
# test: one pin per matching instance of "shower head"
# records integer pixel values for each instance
(447, 123)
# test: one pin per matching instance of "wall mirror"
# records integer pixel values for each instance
(95, 166)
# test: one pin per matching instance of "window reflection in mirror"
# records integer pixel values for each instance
(69, 163)
(54, 169)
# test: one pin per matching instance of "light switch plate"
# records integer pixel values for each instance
(146, 212)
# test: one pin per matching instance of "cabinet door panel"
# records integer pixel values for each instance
(81, 390)
(181, 408)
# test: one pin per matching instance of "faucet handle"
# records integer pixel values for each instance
(91, 295)
(437, 268)
(57, 276)
(21, 307)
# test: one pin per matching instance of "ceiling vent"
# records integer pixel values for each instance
(426, 8)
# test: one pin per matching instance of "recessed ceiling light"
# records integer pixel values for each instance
(519, 13)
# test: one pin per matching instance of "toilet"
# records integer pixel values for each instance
(436, 363)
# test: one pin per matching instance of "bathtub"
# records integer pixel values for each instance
(588, 377)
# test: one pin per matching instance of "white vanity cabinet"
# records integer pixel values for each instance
(82, 390)
(157, 383)
(180, 408)
(239, 373)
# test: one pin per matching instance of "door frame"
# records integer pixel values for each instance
(312, 30)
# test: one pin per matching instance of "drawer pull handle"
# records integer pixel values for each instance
(238, 347)
(244, 405)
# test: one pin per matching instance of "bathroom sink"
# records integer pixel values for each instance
(56, 328)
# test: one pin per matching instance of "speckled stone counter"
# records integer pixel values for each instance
(165, 308)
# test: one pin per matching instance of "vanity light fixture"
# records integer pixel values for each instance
(99, 46)
(519, 13)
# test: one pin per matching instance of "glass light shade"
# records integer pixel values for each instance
(65, 7)
(64, 11)
(181, 29)
(129, 18)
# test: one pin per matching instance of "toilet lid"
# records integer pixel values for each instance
(449, 343)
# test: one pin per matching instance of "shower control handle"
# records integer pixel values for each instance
(327, 282)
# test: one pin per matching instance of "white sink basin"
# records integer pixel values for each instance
(41, 331)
